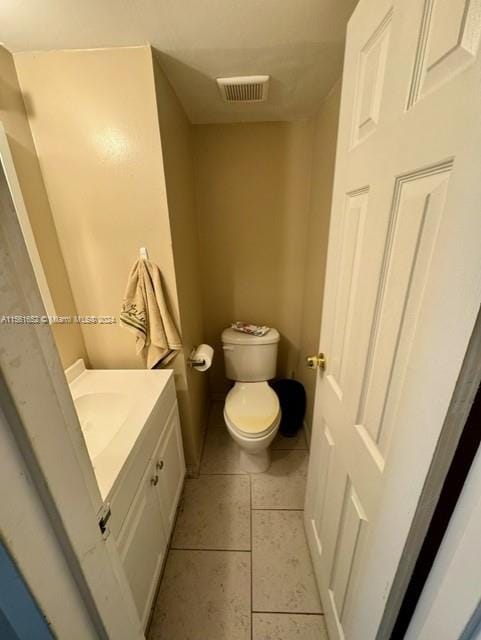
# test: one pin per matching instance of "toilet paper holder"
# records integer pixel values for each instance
(192, 361)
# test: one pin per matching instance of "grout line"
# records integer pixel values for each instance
(293, 613)
(252, 509)
(275, 509)
(243, 473)
(252, 550)
(224, 473)
(210, 475)
(204, 549)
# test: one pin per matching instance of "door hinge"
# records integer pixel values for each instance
(103, 520)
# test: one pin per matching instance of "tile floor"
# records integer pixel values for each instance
(238, 567)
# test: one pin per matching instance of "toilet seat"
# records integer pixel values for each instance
(252, 409)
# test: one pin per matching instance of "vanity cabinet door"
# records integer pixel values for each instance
(170, 465)
(142, 544)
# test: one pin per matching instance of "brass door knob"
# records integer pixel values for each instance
(316, 362)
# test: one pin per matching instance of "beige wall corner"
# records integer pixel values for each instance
(96, 127)
(322, 176)
(14, 118)
(252, 189)
(176, 141)
(94, 121)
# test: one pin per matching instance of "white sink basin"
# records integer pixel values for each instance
(101, 416)
(113, 406)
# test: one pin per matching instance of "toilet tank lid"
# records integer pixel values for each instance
(231, 336)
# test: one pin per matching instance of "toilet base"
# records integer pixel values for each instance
(255, 461)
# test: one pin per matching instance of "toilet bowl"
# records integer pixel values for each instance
(252, 415)
(252, 411)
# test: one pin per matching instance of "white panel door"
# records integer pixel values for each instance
(402, 292)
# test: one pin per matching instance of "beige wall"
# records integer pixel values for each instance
(93, 117)
(14, 118)
(94, 120)
(323, 160)
(252, 190)
(116, 149)
(177, 150)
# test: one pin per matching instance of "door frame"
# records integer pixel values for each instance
(461, 403)
(449, 603)
(474, 625)
(39, 411)
(8, 164)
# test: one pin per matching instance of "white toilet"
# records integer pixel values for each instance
(251, 412)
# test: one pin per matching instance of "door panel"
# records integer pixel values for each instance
(352, 518)
(331, 516)
(369, 89)
(325, 463)
(448, 43)
(417, 208)
(402, 290)
(350, 242)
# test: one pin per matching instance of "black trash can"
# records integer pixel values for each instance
(292, 398)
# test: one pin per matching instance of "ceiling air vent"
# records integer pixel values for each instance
(244, 88)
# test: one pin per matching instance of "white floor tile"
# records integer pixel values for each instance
(221, 453)
(288, 626)
(204, 595)
(215, 514)
(282, 574)
(283, 485)
(206, 586)
(296, 442)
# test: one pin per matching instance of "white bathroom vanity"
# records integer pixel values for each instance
(130, 422)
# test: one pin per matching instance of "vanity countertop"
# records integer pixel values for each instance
(113, 407)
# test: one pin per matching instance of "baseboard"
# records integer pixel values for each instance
(217, 397)
(193, 470)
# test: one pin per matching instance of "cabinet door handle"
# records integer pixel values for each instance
(160, 465)
(154, 480)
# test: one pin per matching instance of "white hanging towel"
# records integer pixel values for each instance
(145, 313)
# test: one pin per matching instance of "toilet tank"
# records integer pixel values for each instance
(250, 358)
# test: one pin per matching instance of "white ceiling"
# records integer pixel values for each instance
(299, 43)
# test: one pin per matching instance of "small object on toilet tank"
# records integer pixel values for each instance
(252, 329)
